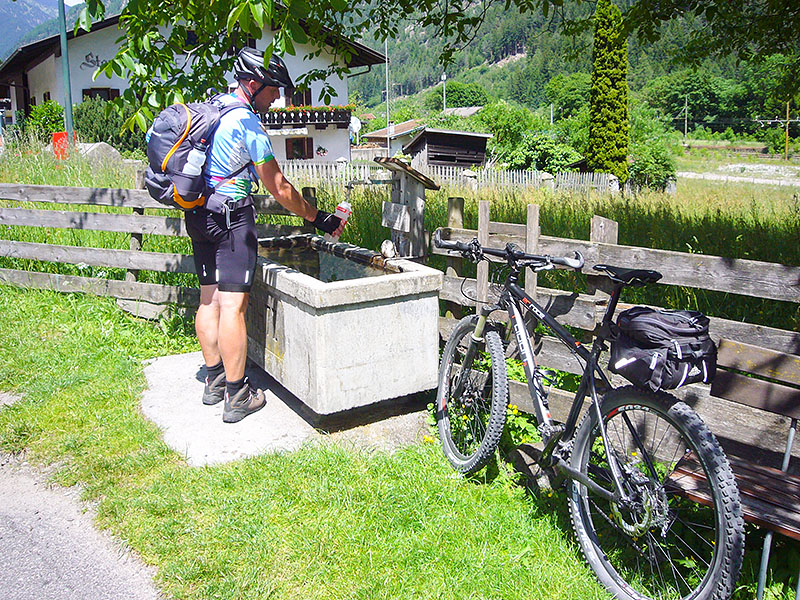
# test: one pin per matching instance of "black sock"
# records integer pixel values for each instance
(215, 371)
(233, 387)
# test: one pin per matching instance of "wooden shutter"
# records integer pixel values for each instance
(309, 148)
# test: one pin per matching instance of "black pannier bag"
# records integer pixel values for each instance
(663, 349)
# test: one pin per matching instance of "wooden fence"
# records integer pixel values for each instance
(585, 310)
(141, 298)
(133, 215)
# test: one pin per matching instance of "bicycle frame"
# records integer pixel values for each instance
(514, 301)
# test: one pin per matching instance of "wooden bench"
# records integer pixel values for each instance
(768, 381)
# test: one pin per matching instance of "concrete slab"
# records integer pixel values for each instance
(173, 402)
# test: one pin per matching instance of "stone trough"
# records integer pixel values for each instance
(353, 329)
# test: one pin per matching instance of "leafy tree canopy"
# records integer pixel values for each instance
(161, 70)
(748, 29)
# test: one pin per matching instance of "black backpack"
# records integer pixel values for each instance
(177, 131)
(663, 349)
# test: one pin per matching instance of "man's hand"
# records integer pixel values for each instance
(328, 223)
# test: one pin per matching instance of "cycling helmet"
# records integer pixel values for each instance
(250, 65)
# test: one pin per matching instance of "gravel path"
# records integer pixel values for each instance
(736, 179)
(49, 547)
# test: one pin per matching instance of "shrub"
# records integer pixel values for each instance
(45, 119)
(542, 153)
(95, 122)
(775, 140)
(569, 93)
(458, 94)
(653, 166)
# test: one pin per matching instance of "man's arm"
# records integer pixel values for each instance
(285, 193)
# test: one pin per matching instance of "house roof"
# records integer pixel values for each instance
(455, 134)
(362, 55)
(401, 129)
(25, 54)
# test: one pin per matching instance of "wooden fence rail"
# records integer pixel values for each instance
(126, 217)
(737, 427)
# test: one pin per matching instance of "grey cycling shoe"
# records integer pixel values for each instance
(214, 392)
(245, 402)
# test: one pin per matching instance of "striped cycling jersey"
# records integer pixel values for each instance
(239, 140)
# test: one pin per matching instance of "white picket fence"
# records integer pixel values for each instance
(586, 182)
(304, 172)
(301, 172)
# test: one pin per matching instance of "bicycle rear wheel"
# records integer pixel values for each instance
(470, 424)
(683, 534)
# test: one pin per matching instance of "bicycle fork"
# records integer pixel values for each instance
(475, 339)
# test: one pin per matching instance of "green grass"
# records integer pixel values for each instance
(323, 522)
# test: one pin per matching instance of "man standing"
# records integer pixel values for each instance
(223, 232)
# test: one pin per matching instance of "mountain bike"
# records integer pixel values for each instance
(645, 527)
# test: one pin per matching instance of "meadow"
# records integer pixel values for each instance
(734, 220)
(397, 525)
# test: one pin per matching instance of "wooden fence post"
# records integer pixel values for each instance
(136, 238)
(531, 246)
(483, 240)
(454, 264)
(604, 231)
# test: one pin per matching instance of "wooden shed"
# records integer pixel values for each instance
(448, 148)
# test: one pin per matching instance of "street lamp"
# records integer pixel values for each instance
(65, 71)
(444, 92)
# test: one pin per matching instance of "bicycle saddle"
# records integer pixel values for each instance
(629, 276)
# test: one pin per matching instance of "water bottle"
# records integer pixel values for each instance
(343, 211)
(194, 162)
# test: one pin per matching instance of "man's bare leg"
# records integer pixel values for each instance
(207, 327)
(232, 333)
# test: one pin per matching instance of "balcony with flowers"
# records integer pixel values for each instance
(304, 116)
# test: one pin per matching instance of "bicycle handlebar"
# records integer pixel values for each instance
(475, 252)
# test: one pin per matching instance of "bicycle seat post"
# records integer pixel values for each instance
(613, 300)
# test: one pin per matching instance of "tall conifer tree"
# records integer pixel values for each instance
(608, 127)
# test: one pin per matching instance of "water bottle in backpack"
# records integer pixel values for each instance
(195, 161)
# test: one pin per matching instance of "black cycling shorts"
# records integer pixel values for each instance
(222, 256)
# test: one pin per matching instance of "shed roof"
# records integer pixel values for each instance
(447, 132)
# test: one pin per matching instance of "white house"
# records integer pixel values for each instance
(33, 74)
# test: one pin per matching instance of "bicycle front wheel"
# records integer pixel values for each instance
(682, 535)
(470, 423)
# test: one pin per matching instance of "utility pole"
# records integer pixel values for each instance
(786, 147)
(388, 139)
(62, 21)
(444, 92)
(685, 116)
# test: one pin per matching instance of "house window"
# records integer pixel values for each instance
(251, 43)
(46, 96)
(301, 98)
(299, 148)
(33, 100)
(104, 93)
